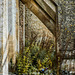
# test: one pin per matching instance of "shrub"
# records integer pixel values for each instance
(35, 58)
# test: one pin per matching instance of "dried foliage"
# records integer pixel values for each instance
(35, 57)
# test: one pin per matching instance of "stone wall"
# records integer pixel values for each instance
(66, 20)
(9, 25)
(66, 17)
(35, 27)
(66, 33)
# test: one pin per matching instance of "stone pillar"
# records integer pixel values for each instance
(5, 38)
(13, 26)
(9, 25)
(1, 33)
(14, 29)
(17, 23)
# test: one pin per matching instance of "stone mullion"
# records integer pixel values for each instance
(21, 26)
